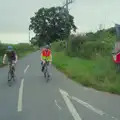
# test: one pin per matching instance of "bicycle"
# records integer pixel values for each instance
(46, 72)
(11, 73)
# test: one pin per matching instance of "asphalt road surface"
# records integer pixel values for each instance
(32, 98)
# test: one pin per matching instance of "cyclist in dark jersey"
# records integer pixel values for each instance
(11, 55)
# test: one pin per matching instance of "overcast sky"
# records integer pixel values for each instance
(89, 14)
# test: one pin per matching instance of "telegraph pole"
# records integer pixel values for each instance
(67, 4)
(29, 35)
(67, 12)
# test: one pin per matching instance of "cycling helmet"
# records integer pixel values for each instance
(47, 47)
(10, 48)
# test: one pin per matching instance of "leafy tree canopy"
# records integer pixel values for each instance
(50, 24)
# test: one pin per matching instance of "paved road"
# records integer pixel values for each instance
(31, 98)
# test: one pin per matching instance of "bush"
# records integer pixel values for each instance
(89, 45)
(2, 49)
(92, 44)
(59, 46)
(99, 73)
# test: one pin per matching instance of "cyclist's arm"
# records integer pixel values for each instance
(41, 57)
(16, 57)
(4, 58)
(50, 57)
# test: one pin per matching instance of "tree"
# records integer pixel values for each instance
(37, 41)
(51, 24)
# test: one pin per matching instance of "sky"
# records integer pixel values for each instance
(88, 15)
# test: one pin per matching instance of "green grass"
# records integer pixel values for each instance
(99, 73)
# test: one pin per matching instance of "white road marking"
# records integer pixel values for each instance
(26, 69)
(70, 106)
(57, 105)
(20, 98)
(114, 118)
(66, 97)
(88, 106)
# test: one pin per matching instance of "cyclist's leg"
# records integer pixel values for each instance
(9, 65)
(9, 71)
(41, 63)
(13, 67)
(43, 66)
(50, 69)
(14, 64)
(13, 70)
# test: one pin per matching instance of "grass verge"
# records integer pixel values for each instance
(99, 73)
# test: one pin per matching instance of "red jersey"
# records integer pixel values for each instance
(46, 52)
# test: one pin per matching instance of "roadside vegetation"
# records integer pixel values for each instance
(88, 60)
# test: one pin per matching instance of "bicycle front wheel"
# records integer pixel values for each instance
(47, 76)
(9, 76)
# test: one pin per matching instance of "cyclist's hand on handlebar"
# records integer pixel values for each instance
(43, 62)
(15, 61)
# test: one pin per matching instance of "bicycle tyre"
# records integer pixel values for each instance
(11, 77)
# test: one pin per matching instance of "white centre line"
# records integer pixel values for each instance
(70, 106)
(26, 69)
(20, 98)
(57, 105)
